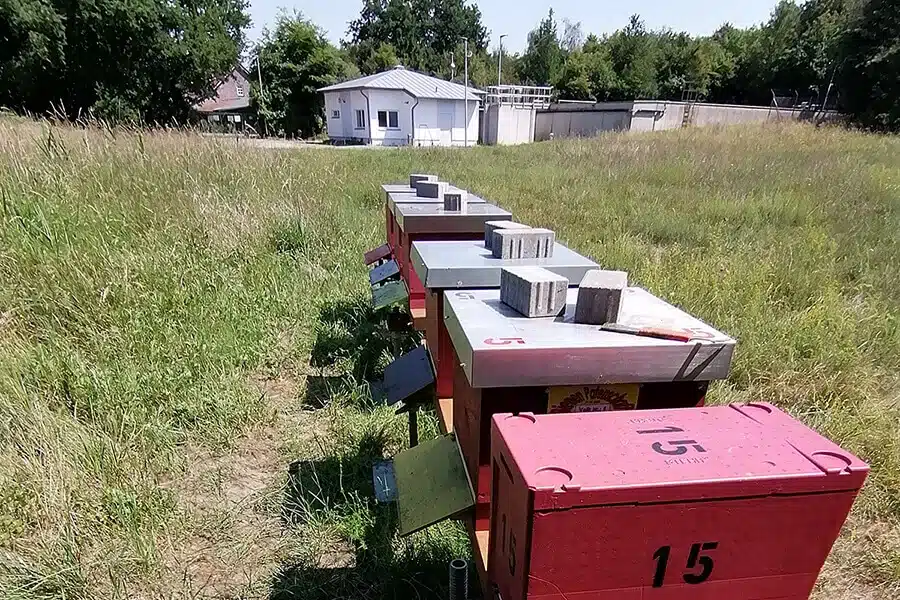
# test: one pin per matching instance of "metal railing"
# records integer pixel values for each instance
(519, 95)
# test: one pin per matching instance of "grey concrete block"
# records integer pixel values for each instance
(431, 189)
(491, 226)
(522, 243)
(533, 291)
(599, 297)
(415, 178)
(456, 200)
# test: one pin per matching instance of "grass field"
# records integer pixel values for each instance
(184, 340)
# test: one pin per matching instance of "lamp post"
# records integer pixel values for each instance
(500, 61)
(466, 110)
(262, 94)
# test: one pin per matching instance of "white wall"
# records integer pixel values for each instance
(344, 128)
(507, 124)
(425, 111)
(428, 122)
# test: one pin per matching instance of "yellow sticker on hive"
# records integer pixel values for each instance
(592, 398)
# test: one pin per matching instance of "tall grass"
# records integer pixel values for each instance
(148, 281)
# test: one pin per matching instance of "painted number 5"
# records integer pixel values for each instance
(503, 341)
(695, 559)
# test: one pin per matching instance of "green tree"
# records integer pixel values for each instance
(153, 58)
(633, 52)
(543, 60)
(870, 77)
(296, 60)
(424, 33)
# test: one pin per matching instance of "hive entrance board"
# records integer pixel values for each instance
(468, 264)
(501, 348)
(432, 484)
(389, 293)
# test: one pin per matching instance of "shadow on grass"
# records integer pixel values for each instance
(380, 564)
(352, 336)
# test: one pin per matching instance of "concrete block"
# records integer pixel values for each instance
(599, 297)
(431, 189)
(533, 291)
(415, 178)
(522, 243)
(491, 226)
(456, 200)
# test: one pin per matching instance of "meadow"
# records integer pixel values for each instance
(185, 339)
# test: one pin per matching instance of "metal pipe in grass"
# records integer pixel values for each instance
(459, 579)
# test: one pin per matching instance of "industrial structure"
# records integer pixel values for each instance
(577, 446)
(509, 113)
(401, 107)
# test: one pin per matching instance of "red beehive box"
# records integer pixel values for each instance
(718, 503)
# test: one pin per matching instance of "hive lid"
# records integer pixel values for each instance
(411, 197)
(468, 264)
(498, 347)
(434, 218)
(589, 459)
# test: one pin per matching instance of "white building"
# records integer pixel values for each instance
(401, 107)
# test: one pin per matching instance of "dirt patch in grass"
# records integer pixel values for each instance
(230, 536)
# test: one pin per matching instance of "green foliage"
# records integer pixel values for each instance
(150, 58)
(296, 60)
(542, 63)
(423, 33)
(870, 77)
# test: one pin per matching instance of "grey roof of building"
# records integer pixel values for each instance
(417, 84)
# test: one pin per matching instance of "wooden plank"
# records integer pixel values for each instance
(445, 414)
(418, 319)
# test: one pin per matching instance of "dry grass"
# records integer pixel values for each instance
(183, 339)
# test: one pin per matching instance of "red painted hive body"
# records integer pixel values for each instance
(718, 503)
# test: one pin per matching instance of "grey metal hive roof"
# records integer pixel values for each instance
(417, 84)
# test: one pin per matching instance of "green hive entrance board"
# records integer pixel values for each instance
(389, 293)
(432, 484)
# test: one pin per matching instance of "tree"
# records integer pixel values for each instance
(870, 76)
(543, 60)
(573, 37)
(633, 54)
(423, 33)
(147, 58)
(296, 60)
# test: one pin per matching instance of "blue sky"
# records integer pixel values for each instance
(518, 17)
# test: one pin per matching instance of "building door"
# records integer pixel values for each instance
(346, 115)
(446, 122)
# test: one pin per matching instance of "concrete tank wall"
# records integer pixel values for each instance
(507, 124)
(562, 120)
(586, 119)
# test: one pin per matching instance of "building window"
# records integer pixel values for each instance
(388, 119)
(239, 89)
(335, 114)
(360, 119)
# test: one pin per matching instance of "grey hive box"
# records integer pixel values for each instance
(415, 178)
(557, 351)
(533, 291)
